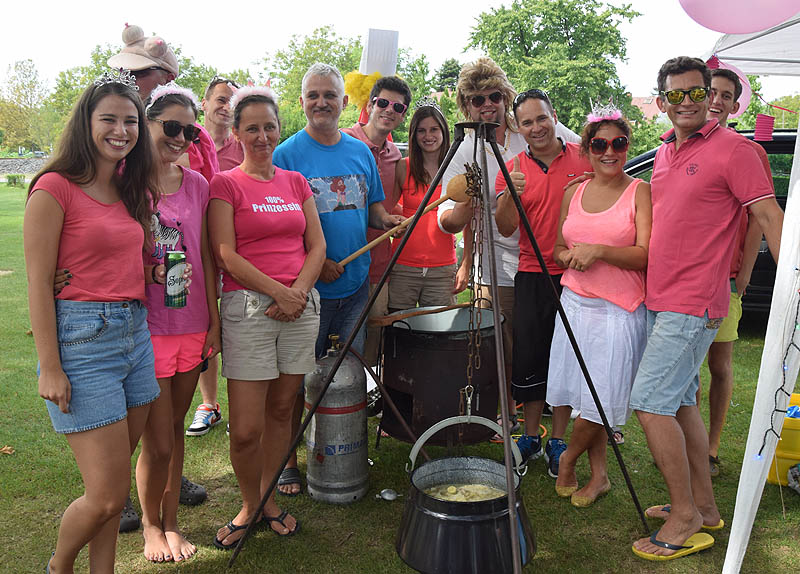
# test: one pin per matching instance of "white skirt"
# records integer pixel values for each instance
(611, 341)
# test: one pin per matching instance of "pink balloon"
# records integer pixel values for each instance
(747, 91)
(740, 16)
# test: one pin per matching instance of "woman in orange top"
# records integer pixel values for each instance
(425, 272)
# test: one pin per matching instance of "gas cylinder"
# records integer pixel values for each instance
(336, 439)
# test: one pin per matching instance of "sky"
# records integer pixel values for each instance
(230, 36)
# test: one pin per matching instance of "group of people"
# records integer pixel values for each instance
(643, 272)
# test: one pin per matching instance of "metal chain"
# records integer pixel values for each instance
(473, 175)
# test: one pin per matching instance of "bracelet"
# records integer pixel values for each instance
(153, 275)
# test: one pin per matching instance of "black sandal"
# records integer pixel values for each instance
(231, 529)
(279, 519)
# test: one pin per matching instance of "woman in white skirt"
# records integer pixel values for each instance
(602, 243)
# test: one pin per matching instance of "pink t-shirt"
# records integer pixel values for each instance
(616, 227)
(428, 246)
(231, 154)
(541, 200)
(177, 226)
(101, 245)
(697, 192)
(269, 221)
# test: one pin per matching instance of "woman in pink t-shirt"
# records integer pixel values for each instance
(182, 337)
(267, 238)
(425, 272)
(89, 209)
(602, 243)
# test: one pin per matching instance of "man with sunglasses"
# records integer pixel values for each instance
(386, 108)
(539, 174)
(484, 94)
(702, 177)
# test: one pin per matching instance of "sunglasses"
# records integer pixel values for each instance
(148, 71)
(478, 101)
(222, 80)
(598, 146)
(675, 97)
(384, 103)
(528, 94)
(173, 127)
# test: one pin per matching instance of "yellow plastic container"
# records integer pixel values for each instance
(787, 453)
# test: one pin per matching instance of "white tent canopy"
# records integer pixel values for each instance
(772, 52)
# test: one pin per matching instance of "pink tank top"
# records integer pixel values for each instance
(616, 226)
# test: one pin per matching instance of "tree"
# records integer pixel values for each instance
(22, 95)
(446, 76)
(646, 135)
(747, 121)
(784, 119)
(285, 70)
(566, 47)
(415, 70)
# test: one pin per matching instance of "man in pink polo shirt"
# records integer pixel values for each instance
(539, 174)
(386, 106)
(703, 175)
(218, 119)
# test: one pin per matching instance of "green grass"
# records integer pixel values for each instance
(40, 479)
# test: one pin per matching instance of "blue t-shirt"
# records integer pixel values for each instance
(345, 182)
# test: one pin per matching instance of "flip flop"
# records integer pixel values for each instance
(666, 508)
(231, 529)
(695, 543)
(268, 520)
(290, 476)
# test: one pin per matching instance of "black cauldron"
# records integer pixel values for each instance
(438, 536)
(424, 367)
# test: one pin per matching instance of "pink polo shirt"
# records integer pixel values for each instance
(231, 154)
(697, 194)
(386, 158)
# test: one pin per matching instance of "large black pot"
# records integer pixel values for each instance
(443, 537)
(425, 367)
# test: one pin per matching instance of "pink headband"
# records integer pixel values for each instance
(173, 88)
(246, 91)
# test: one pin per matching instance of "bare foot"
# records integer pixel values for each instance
(674, 531)
(658, 511)
(179, 546)
(156, 548)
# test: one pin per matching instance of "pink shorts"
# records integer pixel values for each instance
(177, 353)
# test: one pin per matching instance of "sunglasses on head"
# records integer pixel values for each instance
(384, 103)
(675, 97)
(598, 146)
(222, 80)
(534, 93)
(173, 127)
(494, 97)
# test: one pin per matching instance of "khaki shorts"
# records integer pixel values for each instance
(428, 286)
(729, 330)
(258, 348)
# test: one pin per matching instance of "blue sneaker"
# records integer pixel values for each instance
(552, 453)
(530, 447)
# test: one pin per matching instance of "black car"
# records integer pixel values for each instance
(780, 150)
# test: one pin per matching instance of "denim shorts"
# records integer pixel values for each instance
(667, 378)
(107, 356)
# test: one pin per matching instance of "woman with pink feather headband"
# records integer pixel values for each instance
(602, 244)
(182, 337)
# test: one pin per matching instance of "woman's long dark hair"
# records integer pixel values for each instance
(415, 160)
(76, 155)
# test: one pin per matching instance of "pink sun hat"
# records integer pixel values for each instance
(141, 53)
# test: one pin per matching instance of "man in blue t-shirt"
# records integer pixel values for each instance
(348, 193)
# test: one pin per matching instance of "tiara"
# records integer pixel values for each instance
(603, 112)
(119, 76)
(173, 88)
(427, 101)
(248, 91)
